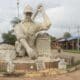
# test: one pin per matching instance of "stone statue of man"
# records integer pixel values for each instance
(27, 29)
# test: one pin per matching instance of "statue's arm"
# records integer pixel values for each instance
(46, 21)
(34, 15)
(18, 32)
(24, 43)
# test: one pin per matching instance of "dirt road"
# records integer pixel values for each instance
(69, 76)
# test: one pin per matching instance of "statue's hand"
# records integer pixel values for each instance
(31, 52)
(40, 8)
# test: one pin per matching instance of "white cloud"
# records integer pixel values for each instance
(56, 16)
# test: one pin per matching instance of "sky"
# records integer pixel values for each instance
(64, 14)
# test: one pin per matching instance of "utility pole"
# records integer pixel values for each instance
(78, 27)
(18, 8)
(69, 28)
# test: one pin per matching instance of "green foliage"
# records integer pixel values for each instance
(9, 38)
(53, 38)
(15, 21)
(67, 35)
(75, 51)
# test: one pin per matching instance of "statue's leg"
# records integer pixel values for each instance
(31, 52)
(19, 49)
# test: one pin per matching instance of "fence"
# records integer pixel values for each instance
(3, 66)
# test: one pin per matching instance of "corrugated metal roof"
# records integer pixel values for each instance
(68, 39)
(61, 40)
(73, 37)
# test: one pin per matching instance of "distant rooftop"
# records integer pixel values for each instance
(68, 39)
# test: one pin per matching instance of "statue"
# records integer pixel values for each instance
(26, 31)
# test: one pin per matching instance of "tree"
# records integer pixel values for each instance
(9, 38)
(15, 21)
(53, 38)
(66, 35)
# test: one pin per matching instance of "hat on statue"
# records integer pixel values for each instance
(28, 9)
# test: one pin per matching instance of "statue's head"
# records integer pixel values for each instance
(28, 11)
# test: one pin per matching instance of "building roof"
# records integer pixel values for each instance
(68, 39)
(61, 40)
(73, 37)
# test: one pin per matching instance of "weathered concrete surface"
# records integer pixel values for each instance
(7, 52)
(55, 53)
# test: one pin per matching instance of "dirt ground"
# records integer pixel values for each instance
(69, 76)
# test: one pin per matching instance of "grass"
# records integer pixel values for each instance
(72, 51)
(75, 64)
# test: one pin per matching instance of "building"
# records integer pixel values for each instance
(70, 43)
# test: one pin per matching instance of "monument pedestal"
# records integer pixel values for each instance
(46, 63)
